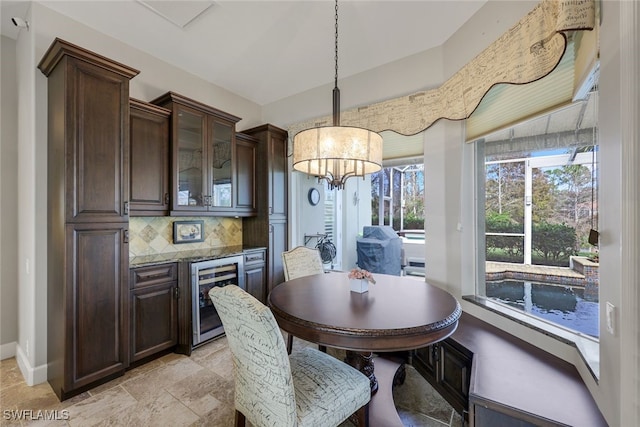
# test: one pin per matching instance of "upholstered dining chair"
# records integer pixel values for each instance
(272, 388)
(299, 262)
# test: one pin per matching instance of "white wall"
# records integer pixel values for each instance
(8, 199)
(156, 77)
(408, 75)
(355, 215)
(609, 392)
(32, 289)
(309, 219)
(313, 215)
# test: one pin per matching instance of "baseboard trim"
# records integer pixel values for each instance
(32, 376)
(8, 350)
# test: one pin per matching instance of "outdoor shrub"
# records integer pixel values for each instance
(510, 248)
(554, 241)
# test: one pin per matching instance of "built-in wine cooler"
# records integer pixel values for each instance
(204, 276)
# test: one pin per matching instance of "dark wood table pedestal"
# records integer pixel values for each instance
(363, 361)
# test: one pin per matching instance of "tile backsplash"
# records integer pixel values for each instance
(154, 235)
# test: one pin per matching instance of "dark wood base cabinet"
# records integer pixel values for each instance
(88, 339)
(154, 310)
(255, 273)
(514, 383)
(447, 367)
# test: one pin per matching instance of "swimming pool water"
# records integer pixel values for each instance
(563, 305)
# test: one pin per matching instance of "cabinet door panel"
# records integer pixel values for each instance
(245, 175)
(487, 417)
(97, 324)
(221, 164)
(454, 375)
(448, 370)
(277, 245)
(425, 361)
(97, 153)
(154, 324)
(149, 159)
(190, 160)
(278, 177)
(254, 279)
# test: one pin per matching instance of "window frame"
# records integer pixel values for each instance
(587, 346)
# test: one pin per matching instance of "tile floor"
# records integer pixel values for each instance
(176, 390)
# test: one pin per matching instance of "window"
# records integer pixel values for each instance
(397, 197)
(397, 200)
(537, 218)
(333, 224)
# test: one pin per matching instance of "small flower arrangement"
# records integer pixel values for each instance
(358, 273)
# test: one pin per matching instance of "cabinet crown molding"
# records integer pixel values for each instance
(59, 48)
(183, 100)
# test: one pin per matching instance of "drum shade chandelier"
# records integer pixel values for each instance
(336, 153)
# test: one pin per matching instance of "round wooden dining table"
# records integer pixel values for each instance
(396, 313)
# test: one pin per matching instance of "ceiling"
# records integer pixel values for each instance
(267, 50)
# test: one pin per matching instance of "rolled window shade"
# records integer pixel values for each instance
(397, 146)
(507, 104)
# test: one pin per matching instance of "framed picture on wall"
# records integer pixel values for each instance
(188, 231)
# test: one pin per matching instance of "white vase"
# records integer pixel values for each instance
(359, 285)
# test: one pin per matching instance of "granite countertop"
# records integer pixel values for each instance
(191, 256)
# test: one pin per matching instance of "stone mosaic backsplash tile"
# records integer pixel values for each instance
(154, 235)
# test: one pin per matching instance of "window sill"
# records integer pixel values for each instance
(587, 346)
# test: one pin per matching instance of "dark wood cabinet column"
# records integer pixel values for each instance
(269, 227)
(88, 217)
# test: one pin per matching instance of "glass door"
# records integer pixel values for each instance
(206, 275)
(191, 161)
(221, 163)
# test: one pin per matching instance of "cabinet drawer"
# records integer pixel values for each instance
(147, 276)
(251, 257)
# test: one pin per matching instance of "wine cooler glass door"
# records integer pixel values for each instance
(206, 275)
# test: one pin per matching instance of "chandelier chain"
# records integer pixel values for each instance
(336, 56)
(336, 153)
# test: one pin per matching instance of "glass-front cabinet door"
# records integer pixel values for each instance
(203, 158)
(221, 163)
(191, 160)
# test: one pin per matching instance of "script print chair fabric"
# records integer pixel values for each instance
(299, 262)
(272, 388)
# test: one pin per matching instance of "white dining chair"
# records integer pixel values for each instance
(301, 261)
(272, 388)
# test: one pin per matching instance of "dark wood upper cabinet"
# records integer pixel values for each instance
(87, 217)
(89, 113)
(277, 173)
(149, 159)
(245, 173)
(203, 158)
